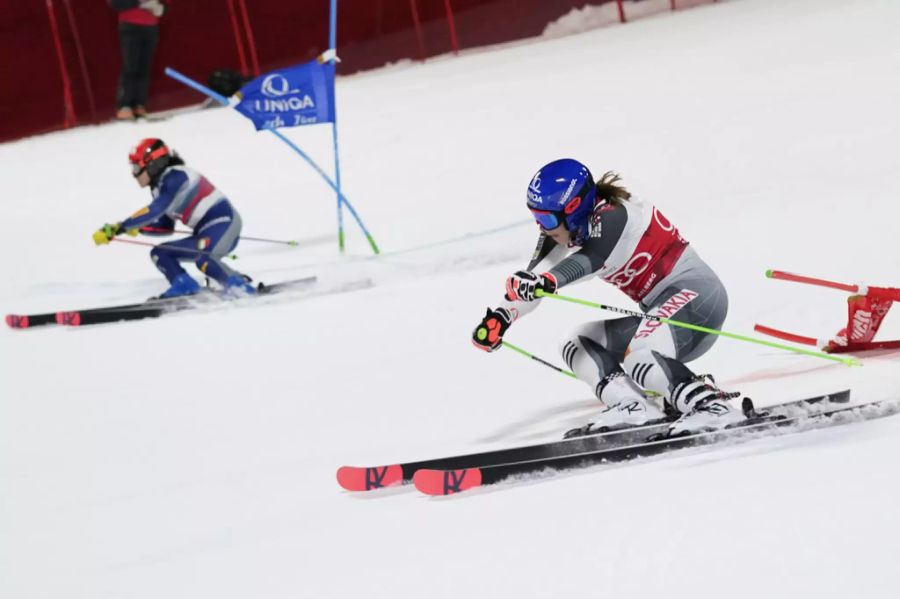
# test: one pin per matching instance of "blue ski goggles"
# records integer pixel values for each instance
(548, 220)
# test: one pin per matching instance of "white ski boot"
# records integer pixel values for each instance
(626, 406)
(703, 407)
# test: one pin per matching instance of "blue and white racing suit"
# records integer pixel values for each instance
(181, 193)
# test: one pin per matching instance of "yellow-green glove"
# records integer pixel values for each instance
(104, 234)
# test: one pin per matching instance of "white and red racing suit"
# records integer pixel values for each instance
(633, 246)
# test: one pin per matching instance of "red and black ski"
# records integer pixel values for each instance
(152, 308)
(448, 482)
(24, 321)
(353, 478)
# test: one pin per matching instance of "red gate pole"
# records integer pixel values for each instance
(251, 43)
(621, 11)
(89, 87)
(69, 120)
(453, 41)
(245, 70)
(420, 38)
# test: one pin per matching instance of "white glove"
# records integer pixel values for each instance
(154, 6)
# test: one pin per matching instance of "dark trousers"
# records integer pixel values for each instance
(138, 42)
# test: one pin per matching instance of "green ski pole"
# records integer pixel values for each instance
(694, 327)
(536, 359)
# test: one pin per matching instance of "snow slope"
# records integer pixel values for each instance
(765, 129)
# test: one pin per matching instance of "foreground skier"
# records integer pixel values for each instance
(590, 228)
(181, 193)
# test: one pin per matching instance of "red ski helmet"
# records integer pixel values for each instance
(151, 155)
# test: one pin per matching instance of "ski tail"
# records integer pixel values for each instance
(446, 482)
(71, 318)
(28, 321)
(352, 478)
(17, 321)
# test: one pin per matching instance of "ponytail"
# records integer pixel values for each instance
(609, 191)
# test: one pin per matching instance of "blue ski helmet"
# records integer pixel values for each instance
(563, 192)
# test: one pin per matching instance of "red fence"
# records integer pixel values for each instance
(59, 59)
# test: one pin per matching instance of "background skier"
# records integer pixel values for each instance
(181, 193)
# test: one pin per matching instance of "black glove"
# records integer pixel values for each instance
(523, 285)
(488, 335)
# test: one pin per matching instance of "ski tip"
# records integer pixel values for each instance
(17, 321)
(352, 478)
(72, 319)
(446, 482)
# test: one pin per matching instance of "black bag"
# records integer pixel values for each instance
(226, 82)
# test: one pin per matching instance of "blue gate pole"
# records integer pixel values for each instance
(332, 43)
(341, 197)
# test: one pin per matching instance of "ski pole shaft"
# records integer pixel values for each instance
(536, 359)
(290, 242)
(153, 245)
(786, 276)
(694, 327)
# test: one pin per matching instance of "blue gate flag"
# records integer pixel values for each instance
(291, 97)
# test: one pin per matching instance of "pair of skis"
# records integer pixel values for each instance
(152, 308)
(884, 293)
(449, 475)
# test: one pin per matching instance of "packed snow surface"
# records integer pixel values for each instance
(194, 455)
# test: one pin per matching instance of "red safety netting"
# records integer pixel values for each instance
(67, 67)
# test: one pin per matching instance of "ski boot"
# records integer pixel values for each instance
(703, 407)
(238, 286)
(182, 285)
(626, 406)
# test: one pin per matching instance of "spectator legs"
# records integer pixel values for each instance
(138, 43)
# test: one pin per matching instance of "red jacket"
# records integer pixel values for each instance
(130, 12)
(138, 16)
